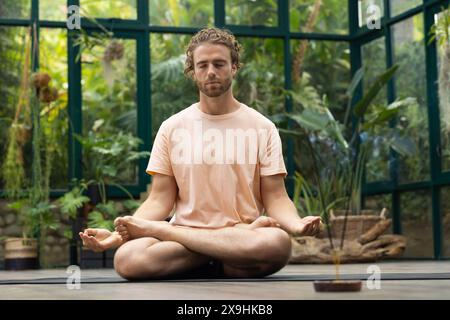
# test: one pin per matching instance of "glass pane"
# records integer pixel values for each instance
(13, 43)
(109, 107)
(443, 55)
(53, 10)
(123, 9)
(15, 9)
(321, 76)
(260, 82)
(374, 64)
(252, 13)
(171, 90)
(445, 214)
(193, 13)
(417, 224)
(409, 52)
(325, 73)
(369, 11)
(329, 17)
(53, 60)
(400, 6)
(377, 203)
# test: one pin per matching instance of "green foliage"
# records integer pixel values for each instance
(260, 82)
(171, 90)
(440, 31)
(123, 9)
(320, 129)
(73, 200)
(103, 216)
(361, 107)
(13, 172)
(254, 13)
(411, 82)
(333, 16)
(305, 195)
(193, 13)
(107, 157)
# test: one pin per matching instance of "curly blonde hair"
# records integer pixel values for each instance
(214, 36)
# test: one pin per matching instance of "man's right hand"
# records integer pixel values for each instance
(99, 240)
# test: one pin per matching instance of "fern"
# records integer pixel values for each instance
(72, 201)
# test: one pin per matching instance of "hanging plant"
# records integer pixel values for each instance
(114, 51)
(19, 133)
(40, 80)
(48, 94)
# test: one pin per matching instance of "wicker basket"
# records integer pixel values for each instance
(356, 224)
(21, 254)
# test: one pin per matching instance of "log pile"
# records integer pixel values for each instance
(370, 245)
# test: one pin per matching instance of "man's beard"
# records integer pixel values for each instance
(215, 90)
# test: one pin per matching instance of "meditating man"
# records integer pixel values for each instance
(218, 164)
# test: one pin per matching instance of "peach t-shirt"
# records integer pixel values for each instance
(217, 162)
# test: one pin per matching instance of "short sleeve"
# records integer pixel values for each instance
(159, 161)
(271, 155)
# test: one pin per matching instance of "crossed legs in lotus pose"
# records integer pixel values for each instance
(157, 249)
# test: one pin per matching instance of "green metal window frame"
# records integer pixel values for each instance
(140, 30)
(438, 179)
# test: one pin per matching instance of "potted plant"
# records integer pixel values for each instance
(30, 128)
(317, 125)
(108, 157)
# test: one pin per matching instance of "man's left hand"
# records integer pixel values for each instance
(307, 226)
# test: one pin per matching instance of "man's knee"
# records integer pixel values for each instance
(275, 249)
(129, 258)
(271, 252)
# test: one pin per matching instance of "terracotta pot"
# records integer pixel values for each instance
(21, 254)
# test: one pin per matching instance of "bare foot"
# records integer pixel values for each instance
(130, 227)
(260, 222)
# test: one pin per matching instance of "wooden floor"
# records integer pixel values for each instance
(282, 290)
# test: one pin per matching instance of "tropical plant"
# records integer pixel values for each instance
(319, 128)
(71, 202)
(195, 13)
(108, 158)
(254, 13)
(32, 121)
(305, 196)
(104, 213)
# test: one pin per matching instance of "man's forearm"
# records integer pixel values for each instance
(284, 211)
(152, 209)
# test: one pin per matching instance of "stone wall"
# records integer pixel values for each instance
(56, 246)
